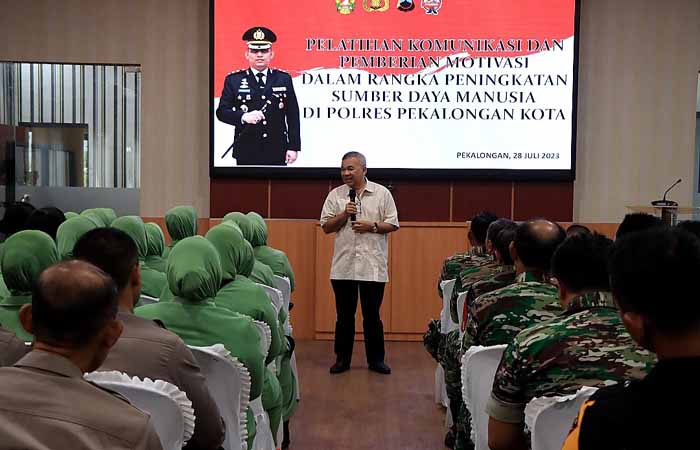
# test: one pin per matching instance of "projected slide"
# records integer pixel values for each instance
(422, 84)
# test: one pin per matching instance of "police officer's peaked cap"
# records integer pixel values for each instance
(259, 38)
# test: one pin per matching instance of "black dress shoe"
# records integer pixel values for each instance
(340, 366)
(380, 367)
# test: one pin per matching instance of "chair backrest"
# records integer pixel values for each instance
(446, 324)
(275, 296)
(460, 310)
(265, 336)
(479, 366)
(170, 409)
(147, 300)
(549, 419)
(229, 383)
(285, 287)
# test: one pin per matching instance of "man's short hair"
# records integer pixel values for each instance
(535, 246)
(15, 218)
(496, 226)
(502, 243)
(636, 222)
(577, 228)
(654, 273)
(71, 303)
(479, 225)
(691, 226)
(357, 155)
(46, 219)
(111, 250)
(580, 262)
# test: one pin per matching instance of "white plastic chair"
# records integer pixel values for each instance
(549, 419)
(446, 323)
(147, 300)
(440, 391)
(263, 433)
(229, 383)
(479, 366)
(170, 410)
(265, 336)
(285, 287)
(275, 296)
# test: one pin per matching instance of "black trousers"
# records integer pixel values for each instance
(371, 295)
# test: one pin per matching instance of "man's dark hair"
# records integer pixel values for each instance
(71, 303)
(580, 263)
(502, 243)
(636, 222)
(111, 250)
(357, 155)
(479, 225)
(654, 273)
(46, 219)
(691, 226)
(535, 242)
(15, 218)
(496, 226)
(577, 228)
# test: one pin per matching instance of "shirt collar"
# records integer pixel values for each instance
(255, 72)
(526, 277)
(50, 362)
(17, 300)
(598, 299)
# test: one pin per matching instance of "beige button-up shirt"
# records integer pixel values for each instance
(361, 256)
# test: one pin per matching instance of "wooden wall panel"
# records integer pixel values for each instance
(471, 197)
(297, 199)
(550, 200)
(229, 194)
(425, 201)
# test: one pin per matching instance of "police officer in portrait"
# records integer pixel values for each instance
(260, 102)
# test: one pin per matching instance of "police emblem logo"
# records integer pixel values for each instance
(345, 6)
(431, 7)
(405, 5)
(375, 5)
(259, 35)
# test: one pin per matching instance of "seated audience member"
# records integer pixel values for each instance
(262, 273)
(577, 228)
(691, 226)
(586, 345)
(276, 259)
(102, 217)
(496, 317)
(152, 281)
(11, 348)
(15, 218)
(45, 219)
(25, 255)
(69, 232)
(70, 214)
(228, 242)
(194, 277)
(654, 281)
(636, 222)
(156, 247)
(45, 401)
(181, 222)
(146, 349)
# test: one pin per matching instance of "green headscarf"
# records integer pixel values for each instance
(226, 240)
(194, 269)
(259, 229)
(181, 222)
(70, 214)
(103, 217)
(152, 281)
(156, 246)
(26, 254)
(69, 232)
(243, 223)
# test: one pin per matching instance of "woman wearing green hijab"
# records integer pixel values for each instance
(194, 276)
(181, 222)
(103, 217)
(276, 259)
(249, 300)
(25, 256)
(70, 214)
(156, 246)
(69, 232)
(152, 281)
(261, 273)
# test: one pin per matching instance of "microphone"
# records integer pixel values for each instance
(352, 194)
(665, 202)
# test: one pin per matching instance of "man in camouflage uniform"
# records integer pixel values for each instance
(586, 345)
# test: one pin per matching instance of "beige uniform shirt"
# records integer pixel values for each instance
(11, 348)
(361, 256)
(147, 350)
(46, 404)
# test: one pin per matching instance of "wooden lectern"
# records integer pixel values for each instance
(668, 214)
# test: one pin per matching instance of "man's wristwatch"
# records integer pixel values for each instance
(375, 228)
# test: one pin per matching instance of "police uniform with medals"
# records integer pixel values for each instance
(272, 93)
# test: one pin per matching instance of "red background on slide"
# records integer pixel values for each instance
(295, 21)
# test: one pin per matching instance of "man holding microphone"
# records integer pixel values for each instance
(361, 213)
